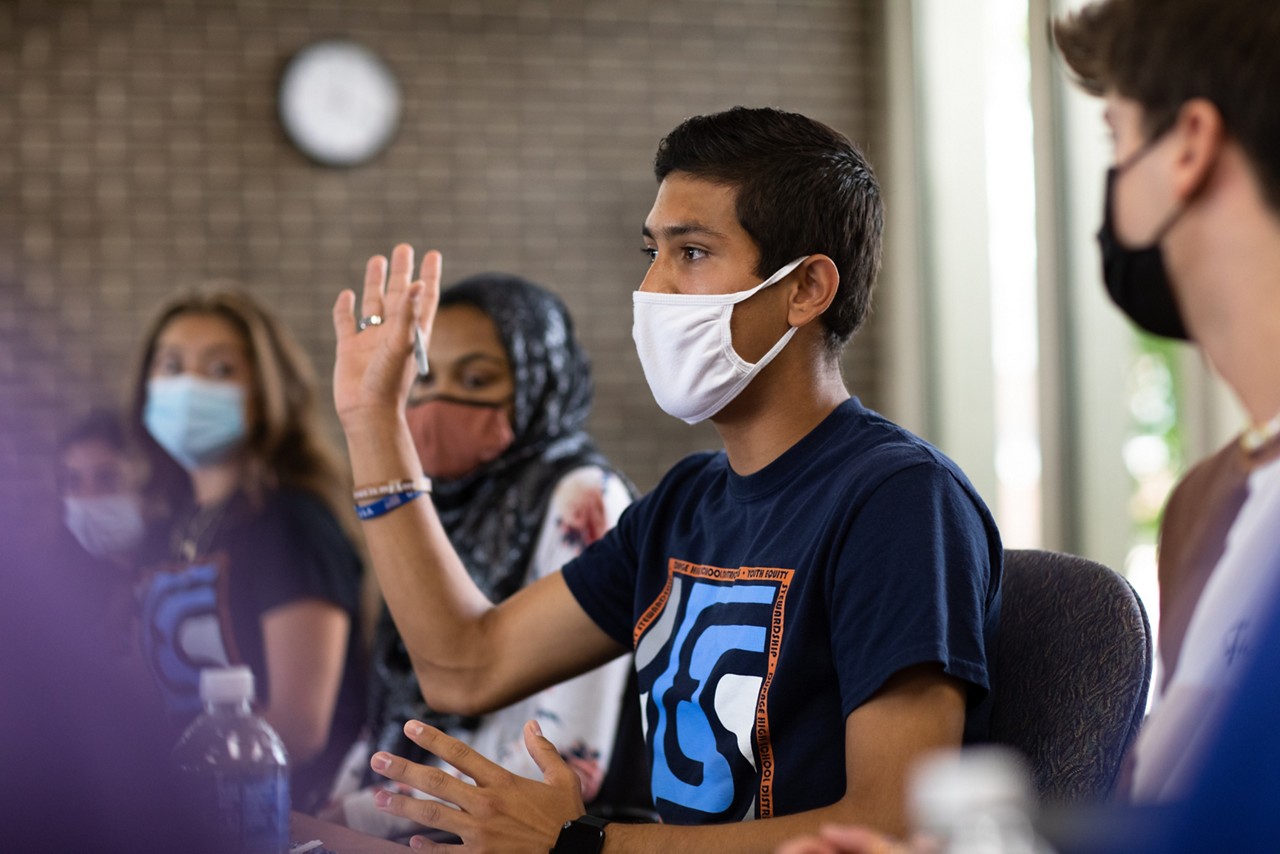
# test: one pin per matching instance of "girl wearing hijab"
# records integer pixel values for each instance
(256, 565)
(521, 489)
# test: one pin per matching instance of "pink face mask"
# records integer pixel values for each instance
(454, 437)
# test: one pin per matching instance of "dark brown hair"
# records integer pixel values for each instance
(287, 447)
(802, 188)
(1163, 53)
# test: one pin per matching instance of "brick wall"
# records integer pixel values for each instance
(140, 152)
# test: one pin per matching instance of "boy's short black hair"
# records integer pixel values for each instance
(802, 189)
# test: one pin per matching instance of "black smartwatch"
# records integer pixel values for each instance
(581, 836)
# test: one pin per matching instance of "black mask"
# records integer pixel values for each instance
(1136, 278)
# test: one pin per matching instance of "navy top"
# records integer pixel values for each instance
(208, 612)
(763, 609)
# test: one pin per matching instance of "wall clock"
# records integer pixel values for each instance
(339, 103)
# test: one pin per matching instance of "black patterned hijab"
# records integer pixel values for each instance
(493, 515)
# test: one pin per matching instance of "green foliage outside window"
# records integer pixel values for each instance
(1154, 451)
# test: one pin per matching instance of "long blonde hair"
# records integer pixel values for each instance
(287, 447)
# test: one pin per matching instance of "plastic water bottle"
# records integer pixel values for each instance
(235, 768)
(975, 801)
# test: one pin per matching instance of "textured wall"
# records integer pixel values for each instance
(140, 152)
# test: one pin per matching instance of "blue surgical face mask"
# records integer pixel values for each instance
(197, 421)
(108, 526)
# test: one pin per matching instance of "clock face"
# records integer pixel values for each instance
(339, 103)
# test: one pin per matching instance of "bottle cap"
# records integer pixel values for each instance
(226, 684)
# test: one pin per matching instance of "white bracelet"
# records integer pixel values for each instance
(422, 484)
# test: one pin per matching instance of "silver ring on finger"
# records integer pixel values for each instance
(368, 320)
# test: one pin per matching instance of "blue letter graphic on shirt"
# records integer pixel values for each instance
(703, 662)
(185, 629)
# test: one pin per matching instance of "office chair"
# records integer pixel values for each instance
(1071, 672)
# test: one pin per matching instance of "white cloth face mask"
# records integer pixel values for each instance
(106, 525)
(686, 348)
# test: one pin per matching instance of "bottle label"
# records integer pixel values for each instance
(247, 814)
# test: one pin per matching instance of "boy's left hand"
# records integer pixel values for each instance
(500, 812)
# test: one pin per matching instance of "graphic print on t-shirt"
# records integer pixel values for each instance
(706, 650)
(185, 628)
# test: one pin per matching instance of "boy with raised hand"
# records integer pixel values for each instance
(810, 609)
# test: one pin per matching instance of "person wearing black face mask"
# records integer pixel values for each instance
(1135, 277)
(1191, 245)
(1191, 250)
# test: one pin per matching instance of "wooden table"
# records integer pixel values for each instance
(343, 840)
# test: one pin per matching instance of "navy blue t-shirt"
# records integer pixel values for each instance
(209, 612)
(764, 609)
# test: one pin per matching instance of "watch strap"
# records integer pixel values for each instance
(583, 835)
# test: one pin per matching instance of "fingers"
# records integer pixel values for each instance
(844, 839)
(424, 778)
(806, 845)
(432, 264)
(405, 312)
(545, 755)
(375, 274)
(432, 270)
(428, 813)
(456, 753)
(857, 839)
(401, 268)
(344, 321)
(386, 282)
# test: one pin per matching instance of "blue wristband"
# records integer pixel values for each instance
(383, 506)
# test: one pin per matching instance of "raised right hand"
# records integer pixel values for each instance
(374, 368)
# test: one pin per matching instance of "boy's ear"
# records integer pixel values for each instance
(1199, 131)
(817, 280)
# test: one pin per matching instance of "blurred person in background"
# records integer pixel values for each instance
(104, 519)
(257, 563)
(99, 482)
(84, 748)
(521, 488)
(1191, 250)
(1190, 246)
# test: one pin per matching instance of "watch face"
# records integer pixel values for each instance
(339, 103)
(579, 837)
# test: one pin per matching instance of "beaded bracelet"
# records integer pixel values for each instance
(385, 505)
(421, 484)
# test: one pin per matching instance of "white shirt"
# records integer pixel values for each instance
(1223, 632)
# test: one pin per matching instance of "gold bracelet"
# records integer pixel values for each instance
(422, 484)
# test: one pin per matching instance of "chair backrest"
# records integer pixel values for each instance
(1072, 669)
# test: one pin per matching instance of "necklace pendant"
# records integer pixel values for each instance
(1255, 438)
